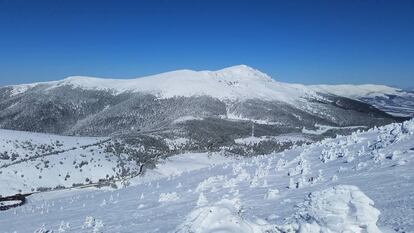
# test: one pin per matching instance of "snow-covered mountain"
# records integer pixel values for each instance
(393, 100)
(357, 91)
(206, 110)
(233, 83)
(180, 145)
(357, 183)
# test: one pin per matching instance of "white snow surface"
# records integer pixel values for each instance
(17, 89)
(342, 208)
(33, 164)
(252, 140)
(187, 118)
(222, 216)
(236, 82)
(324, 128)
(357, 183)
(357, 91)
(38, 160)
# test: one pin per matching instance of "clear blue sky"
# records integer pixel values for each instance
(293, 41)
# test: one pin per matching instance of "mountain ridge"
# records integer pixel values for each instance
(357, 90)
(236, 82)
(232, 82)
(219, 108)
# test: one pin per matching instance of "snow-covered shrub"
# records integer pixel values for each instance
(98, 227)
(342, 208)
(89, 222)
(96, 224)
(213, 183)
(333, 154)
(42, 229)
(407, 127)
(63, 227)
(202, 200)
(167, 197)
(272, 194)
(223, 216)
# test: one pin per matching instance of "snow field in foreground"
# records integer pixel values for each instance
(325, 187)
(342, 208)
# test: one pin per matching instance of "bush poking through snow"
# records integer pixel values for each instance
(202, 200)
(223, 216)
(342, 208)
(167, 197)
(272, 194)
(96, 224)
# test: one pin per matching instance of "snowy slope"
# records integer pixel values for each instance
(358, 183)
(31, 162)
(392, 100)
(237, 82)
(106, 107)
(357, 91)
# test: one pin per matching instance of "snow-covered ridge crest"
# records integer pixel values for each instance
(231, 83)
(236, 82)
(358, 91)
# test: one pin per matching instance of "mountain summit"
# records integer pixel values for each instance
(232, 83)
(242, 71)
